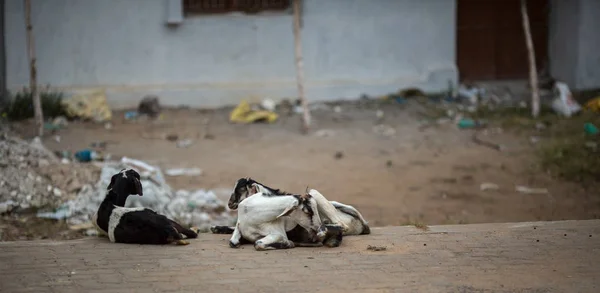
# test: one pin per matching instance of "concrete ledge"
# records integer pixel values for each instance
(509, 257)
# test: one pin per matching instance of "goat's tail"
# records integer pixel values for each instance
(189, 233)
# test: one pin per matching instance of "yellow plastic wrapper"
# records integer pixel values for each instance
(244, 114)
(593, 104)
(91, 106)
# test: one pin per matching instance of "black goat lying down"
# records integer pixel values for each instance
(135, 225)
(340, 219)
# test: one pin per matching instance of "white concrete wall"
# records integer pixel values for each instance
(125, 47)
(574, 42)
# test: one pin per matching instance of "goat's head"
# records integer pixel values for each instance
(307, 216)
(243, 188)
(125, 183)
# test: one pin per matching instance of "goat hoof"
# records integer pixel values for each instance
(233, 245)
(181, 242)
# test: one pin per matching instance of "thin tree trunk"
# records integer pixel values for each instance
(300, 67)
(37, 105)
(533, 78)
(3, 92)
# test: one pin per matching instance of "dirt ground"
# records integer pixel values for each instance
(418, 175)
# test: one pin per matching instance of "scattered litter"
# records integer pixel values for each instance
(384, 130)
(591, 145)
(591, 129)
(268, 105)
(244, 114)
(470, 93)
(534, 139)
(409, 93)
(92, 106)
(563, 102)
(130, 115)
(60, 121)
(324, 132)
(184, 172)
(465, 123)
(488, 186)
(529, 190)
(184, 143)
(380, 115)
(87, 155)
(475, 138)
(108, 126)
(150, 106)
(376, 248)
(593, 104)
(57, 138)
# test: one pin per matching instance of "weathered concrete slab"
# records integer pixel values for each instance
(520, 257)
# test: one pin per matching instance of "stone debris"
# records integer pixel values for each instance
(32, 177)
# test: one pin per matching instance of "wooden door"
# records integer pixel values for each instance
(490, 39)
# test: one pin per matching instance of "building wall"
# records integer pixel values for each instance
(125, 47)
(575, 42)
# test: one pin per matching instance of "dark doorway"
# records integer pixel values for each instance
(490, 39)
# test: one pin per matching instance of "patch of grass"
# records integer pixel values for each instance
(20, 105)
(569, 152)
(418, 225)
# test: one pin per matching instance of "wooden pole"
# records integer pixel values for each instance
(37, 105)
(533, 77)
(300, 67)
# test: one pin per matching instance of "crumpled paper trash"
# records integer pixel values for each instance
(244, 114)
(91, 106)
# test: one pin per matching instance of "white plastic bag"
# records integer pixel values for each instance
(564, 103)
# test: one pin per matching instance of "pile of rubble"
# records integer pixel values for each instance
(200, 208)
(31, 177)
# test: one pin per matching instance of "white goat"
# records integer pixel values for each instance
(261, 219)
(332, 212)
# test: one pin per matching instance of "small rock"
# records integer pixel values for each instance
(150, 106)
(108, 126)
(91, 232)
(324, 132)
(172, 137)
(388, 163)
(488, 186)
(530, 190)
(43, 163)
(337, 109)
(376, 248)
(184, 143)
(56, 192)
(534, 139)
(384, 130)
(338, 155)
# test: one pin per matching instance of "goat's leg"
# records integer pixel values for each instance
(327, 210)
(222, 229)
(273, 241)
(236, 238)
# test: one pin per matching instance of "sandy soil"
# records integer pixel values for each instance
(418, 175)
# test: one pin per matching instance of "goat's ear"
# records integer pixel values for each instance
(112, 182)
(137, 185)
(253, 189)
(288, 210)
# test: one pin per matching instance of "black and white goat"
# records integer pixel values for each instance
(343, 215)
(135, 225)
(262, 220)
